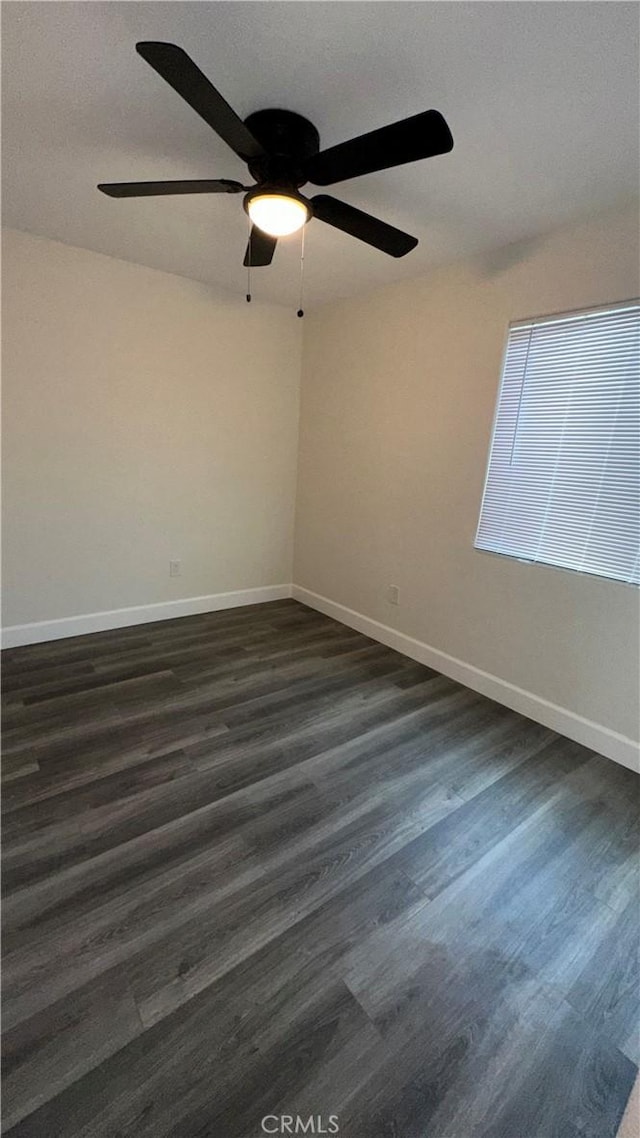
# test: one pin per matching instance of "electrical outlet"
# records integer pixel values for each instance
(393, 595)
(175, 568)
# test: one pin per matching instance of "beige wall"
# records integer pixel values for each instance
(145, 418)
(398, 397)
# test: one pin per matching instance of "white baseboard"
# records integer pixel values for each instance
(18, 634)
(606, 742)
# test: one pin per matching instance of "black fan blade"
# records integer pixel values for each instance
(151, 189)
(260, 248)
(421, 136)
(181, 73)
(363, 226)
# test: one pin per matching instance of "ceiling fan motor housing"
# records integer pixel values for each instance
(289, 140)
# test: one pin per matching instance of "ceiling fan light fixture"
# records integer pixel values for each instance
(282, 152)
(277, 214)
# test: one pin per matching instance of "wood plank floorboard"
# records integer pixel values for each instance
(255, 863)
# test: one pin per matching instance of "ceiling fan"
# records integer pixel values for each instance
(282, 152)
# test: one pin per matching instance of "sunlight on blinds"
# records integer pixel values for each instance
(563, 482)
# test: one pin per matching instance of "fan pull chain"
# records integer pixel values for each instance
(249, 258)
(300, 309)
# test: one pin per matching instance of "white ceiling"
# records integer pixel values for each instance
(541, 98)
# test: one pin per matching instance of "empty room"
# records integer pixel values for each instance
(320, 568)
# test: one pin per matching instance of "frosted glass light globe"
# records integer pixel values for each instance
(277, 214)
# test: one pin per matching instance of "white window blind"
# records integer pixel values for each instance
(563, 482)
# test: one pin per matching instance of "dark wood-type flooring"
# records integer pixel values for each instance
(258, 864)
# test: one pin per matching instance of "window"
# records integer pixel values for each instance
(563, 483)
